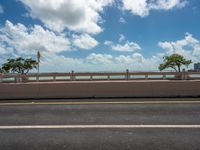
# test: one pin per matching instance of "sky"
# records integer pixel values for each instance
(99, 35)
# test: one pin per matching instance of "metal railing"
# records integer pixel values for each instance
(95, 76)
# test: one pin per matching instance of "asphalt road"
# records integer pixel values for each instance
(112, 126)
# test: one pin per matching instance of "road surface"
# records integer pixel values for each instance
(134, 124)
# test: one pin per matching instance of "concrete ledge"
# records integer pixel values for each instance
(100, 89)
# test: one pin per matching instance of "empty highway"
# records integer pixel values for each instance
(120, 124)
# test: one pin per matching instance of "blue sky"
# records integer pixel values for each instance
(99, 35)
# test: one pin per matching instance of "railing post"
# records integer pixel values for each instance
(1, 78)
(146, 76)
(91, 77)
(164, 76)
(127, 74)
(37, 77)
(72, 75)
(108, 77)
(183, 75)
(54, 78)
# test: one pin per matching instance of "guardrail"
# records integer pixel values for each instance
(94, 76)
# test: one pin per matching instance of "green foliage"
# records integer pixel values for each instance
(174, 61)
(19, 65)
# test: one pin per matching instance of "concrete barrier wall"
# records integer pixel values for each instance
(100, 89)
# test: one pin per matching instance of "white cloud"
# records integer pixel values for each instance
(122, 20)
(28, 40)
(108, 43)
(137, 7)
(3, 49)
(137, 57)
(168, 4)
(188, 47)
(167, 46)
(143, 7)
(127, 47)
(84, 41)
(1, 9)
(52, 62)
(77, 15)
(99, 58)
(121, 37)
(135, 62)
(124, 59)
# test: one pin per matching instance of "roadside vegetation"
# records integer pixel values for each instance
(174, 61)
(19, 65)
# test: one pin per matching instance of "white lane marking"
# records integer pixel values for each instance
(100, 102)
(95, 126)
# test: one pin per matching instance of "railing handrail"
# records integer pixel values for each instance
(97, 73)
(93, 76)
(92, 73)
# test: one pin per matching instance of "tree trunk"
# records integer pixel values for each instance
(179, 68)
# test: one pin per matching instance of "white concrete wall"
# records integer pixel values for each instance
(89, 89)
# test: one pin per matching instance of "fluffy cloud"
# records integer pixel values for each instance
(52, 62)
(139, 8)
(143, 7)
(28, 40)
(138, 57)
(99, 58)
(84, 41)
(78, 15)
(131, 59)
(127, 47)
(136, 61)
(1, 9)
(3, 49)
(124, 59)
(188, 47)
